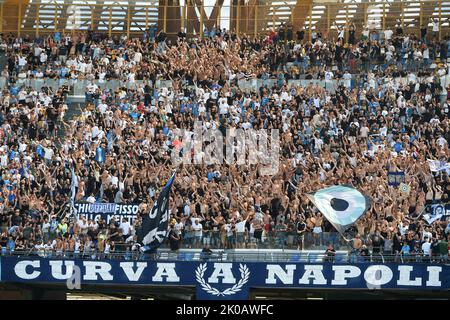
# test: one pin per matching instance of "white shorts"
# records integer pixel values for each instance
(317, 230)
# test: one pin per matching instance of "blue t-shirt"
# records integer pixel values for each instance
(405, 249)
(195, 110)
(398, 147)
(11, 245)
(264, 101)
(14, 91)
(40, 151)
(11, 198)
(57, 36)
(124, 107)
(134, 116)
(63, 72)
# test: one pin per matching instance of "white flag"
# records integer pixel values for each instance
(74, 185)
(438, 165)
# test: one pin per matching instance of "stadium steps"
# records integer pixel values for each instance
(430, 9)
(11, 14)
(301, 13)
(145, 13)
(96, 12)
(320, 17)
(411, 12)
(278, 13)
(392, 13)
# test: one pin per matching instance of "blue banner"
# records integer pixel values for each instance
(227, 280)
(396, 178)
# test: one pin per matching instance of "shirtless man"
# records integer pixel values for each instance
(317, 231)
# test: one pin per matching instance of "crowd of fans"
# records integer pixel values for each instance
(119, 145)
(220, 56)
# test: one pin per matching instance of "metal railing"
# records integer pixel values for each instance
(239, 255)
(272, 240)
(78, 87)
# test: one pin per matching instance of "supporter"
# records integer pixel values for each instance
(119, 144)
(173, 239)
(330, 253)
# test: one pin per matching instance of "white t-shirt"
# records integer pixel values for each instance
(318, 144)
(223, 108)
(426, 248)
(22, 61)
(364, 131)
(82, 225)
(48, 153)
(4, 160)
(441, 141)
(435, 26)
(179, 226)
(222, 100)
(388, 34)
(426, 235)
(43, 57)
(198, 228)
(187, 210)
(37, 51)
(22, 95)
(240, 227)
(115, 181)
(91, 87)
(77, 246)
(138, 57)
(229, 230)
(102, 107)
(125, 226)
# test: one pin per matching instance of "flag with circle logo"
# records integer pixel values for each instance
(404, 188)
(341, 205)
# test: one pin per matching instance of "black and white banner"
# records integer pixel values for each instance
(436, 212)
(155, 224)
(106, 211)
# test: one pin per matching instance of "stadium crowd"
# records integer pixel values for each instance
(119, 145)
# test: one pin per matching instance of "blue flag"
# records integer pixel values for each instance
(100, 155)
